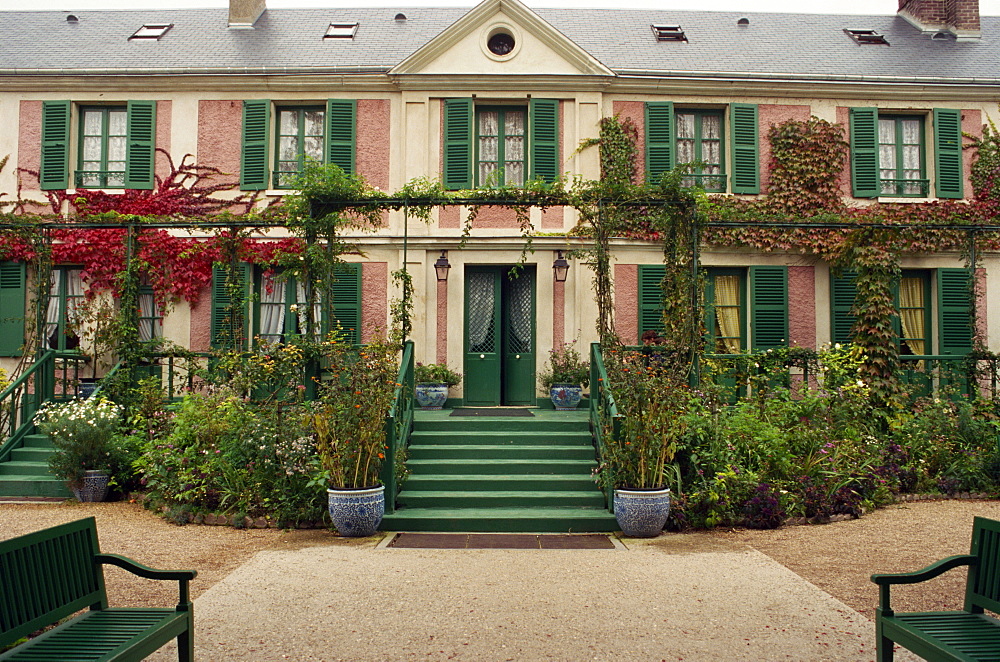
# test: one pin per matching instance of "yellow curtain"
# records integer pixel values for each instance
(727, 312)
(911, 313)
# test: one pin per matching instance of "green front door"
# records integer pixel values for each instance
(499, 362)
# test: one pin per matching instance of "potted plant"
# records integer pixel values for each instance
(348, 422)
(432, 383)
(565, 377)
(637, 461)
(83, 433)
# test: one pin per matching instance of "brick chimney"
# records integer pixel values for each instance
(959, 17)
(244, 13)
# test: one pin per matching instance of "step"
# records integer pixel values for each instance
(33, 486)
(491, 467)
(493, 436)
(486, 452)
(501, 499)
(493, 482)
(512, 520)
(38, 441)
(458, 424)
(14, 468)
(31, 454)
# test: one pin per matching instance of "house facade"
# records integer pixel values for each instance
(503, 94)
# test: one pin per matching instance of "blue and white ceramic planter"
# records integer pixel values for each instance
(642, 513)
(94, 487)
(565, 397)
(356, 512)
(431, 396)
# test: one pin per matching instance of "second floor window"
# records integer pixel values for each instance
(103, 144)
(901, 156)
(500, 146)
(699, 141)
(300, 137)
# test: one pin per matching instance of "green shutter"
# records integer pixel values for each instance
(864, 152)
(843, 292)
(659, 140)
(768, 307)
(746, 155)
(140, 144)
(543, 116)
(948, 152)
(347, 302)
(54, 171)
(253, 165)
(340, 133)
(651, 298)
(457, 144)
(12, 298)
(955, 310)
(228, 326)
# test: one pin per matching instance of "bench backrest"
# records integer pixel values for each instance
(48, 575)
(983, 587)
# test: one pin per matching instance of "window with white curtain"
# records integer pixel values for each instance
(150, 315)
(62, 314)
(282, 308)
(699, 142)
(501, 143)
(901, 155)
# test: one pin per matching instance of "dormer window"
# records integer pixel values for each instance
(151, 31)
(866, 36)
(341, 31)
(669, 33)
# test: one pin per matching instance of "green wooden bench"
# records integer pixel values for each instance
(969, 634)
(52, 574)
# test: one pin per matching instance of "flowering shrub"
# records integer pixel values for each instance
(84, 434)
(565, 366)
(436, 373)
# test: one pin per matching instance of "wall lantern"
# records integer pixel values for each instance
(560, 267)
(442, 266)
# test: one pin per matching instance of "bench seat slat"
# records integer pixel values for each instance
(962, 635)
(109, 634)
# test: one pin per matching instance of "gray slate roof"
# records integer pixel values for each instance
(773, 45)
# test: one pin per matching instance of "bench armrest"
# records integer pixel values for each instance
(930, 572)
(181, 576)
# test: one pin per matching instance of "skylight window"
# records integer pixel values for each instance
(152, 31)
(341, 31)
(669, 33)
(866, 36)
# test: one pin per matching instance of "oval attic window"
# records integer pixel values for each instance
(500, 44)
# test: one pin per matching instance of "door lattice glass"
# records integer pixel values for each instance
(482, 325)
(519, 315)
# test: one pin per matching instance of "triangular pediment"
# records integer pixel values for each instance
(465, 46)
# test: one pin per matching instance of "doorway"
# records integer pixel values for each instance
(499, 356)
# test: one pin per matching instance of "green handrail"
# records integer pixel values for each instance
(604, 417)
(398, 423)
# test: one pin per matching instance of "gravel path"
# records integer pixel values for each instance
(549, 597)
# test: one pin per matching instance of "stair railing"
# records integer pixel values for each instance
(398, 424)
(20, 401)
(604, 417)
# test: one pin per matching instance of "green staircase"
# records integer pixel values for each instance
(26, 473)
(501, 474)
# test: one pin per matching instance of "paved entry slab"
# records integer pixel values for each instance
(655, 600)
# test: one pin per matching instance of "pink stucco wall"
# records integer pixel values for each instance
(627, 303)
(802, 307)
(374, 299)
(495, 217)
(201, 322)
(441, 340)
(558, 314)
(553, 218)
(29, 140)
(972, 124)
(450, 217)
(164, 117)
(219, 128)
(844, 120)
(769, 115)
(372, 132)
(635, 111)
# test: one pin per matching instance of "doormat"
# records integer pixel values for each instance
(490, 411)
(501, 541)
